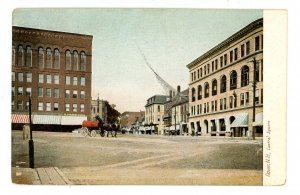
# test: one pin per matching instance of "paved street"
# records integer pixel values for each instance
(130, 159)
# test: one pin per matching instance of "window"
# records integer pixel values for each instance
(28, 91)
(68, 80)
(40, 106)
(200, 108)
(200, 72)
(48, 106)
(212, 66)
(67, 106)
(81, 107)
(262, 70)
(257, 96)
(75, 94)
(214, 87)
(13, 55)
(12, 91)
(247, 47)
(48, 92)
(28, 56)
(221, 61)
(207, 107)
(225, 59)
(55, 106)
(221, 104)
(20, 91)
(74, 80)
(206, 90)
(231, 56)
(56, 79)
(20, 105)
(56, 93)
(20, 77)
(204, 108)
(48, 79)
(28, 77)
(74, 107)
(67, 93)
(20, 56)
(257, 43)
(231, 102)
(224, 103)
(257, 72)
(12, 105)
(82, 61)
(193, 94)
(247, 98)
(216, 105)
(242, 50)
(262, 96)
(216, 64)
(223, 84)
(40, 92)
(199, 92)
(242, 99)
(13, 76)
(75, 65)
(41, 78)
(158, 107)
(262, 41)
(233, 80)
(68, 60)
(48, 58)
(41, 57)
(27, 105)
(205, 70)
(235, 53)
(212, 106)
(56, 58)
(245, 76)
(192, 76)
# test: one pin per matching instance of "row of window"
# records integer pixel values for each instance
(151, 109)
(233, 78)
(213, 105)
(48, 78)
(49, 59)
(234, 54)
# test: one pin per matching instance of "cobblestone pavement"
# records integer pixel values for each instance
(145, 159)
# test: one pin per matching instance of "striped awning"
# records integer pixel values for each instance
(240, 120)
(20, 118)
(258, 119)
(47, 119)
(72, 120)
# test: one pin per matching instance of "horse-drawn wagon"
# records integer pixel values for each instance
(92, 128)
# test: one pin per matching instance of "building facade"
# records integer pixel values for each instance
(154, 113)
(54, 69)
(221, 85)
(99, 108)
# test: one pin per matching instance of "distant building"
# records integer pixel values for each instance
(99, 108)
(154, 113)
(55, 69)
(128, 119)
(221, 85)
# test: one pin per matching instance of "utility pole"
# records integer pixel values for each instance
(254, 93)
(175, 121)
(30, 142)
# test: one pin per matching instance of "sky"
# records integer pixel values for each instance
(169, 38)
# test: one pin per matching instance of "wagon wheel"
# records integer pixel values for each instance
(93, 133)
(84, 131)
(102, 133)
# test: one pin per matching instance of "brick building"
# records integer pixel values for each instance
(54, 68)
(221, 92)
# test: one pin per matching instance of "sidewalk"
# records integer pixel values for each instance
(44, 176)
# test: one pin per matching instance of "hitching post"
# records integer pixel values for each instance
(30, 142)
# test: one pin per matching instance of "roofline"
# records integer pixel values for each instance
(54, 31)
(253, 25)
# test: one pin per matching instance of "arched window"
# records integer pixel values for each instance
(68, 60)
(20, 56)
(223, 84)
(41, 57)
(233, 80)
(28, 56)
(193, 94)
(56, 58)
(245, 76)
(75, 65)
(48, 58)
(82, 61)
(199, 92)
(206, 90)
(214, 87)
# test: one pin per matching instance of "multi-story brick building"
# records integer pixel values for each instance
(54, 68)
(221, 91)
(154, 113)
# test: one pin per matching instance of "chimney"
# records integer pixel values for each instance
(178, 89)
(170, 93)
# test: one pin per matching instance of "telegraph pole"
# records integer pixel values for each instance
(30, 142)
(254, 93)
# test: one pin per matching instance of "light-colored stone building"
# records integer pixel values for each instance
(154, 113)
(221, 85)
(99, 107)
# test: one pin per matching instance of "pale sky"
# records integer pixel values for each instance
(169, 38)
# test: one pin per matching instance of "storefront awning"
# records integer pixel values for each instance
(258, 119)
(47, 119)
(20, 118)
(240, 120)
(72, 120)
